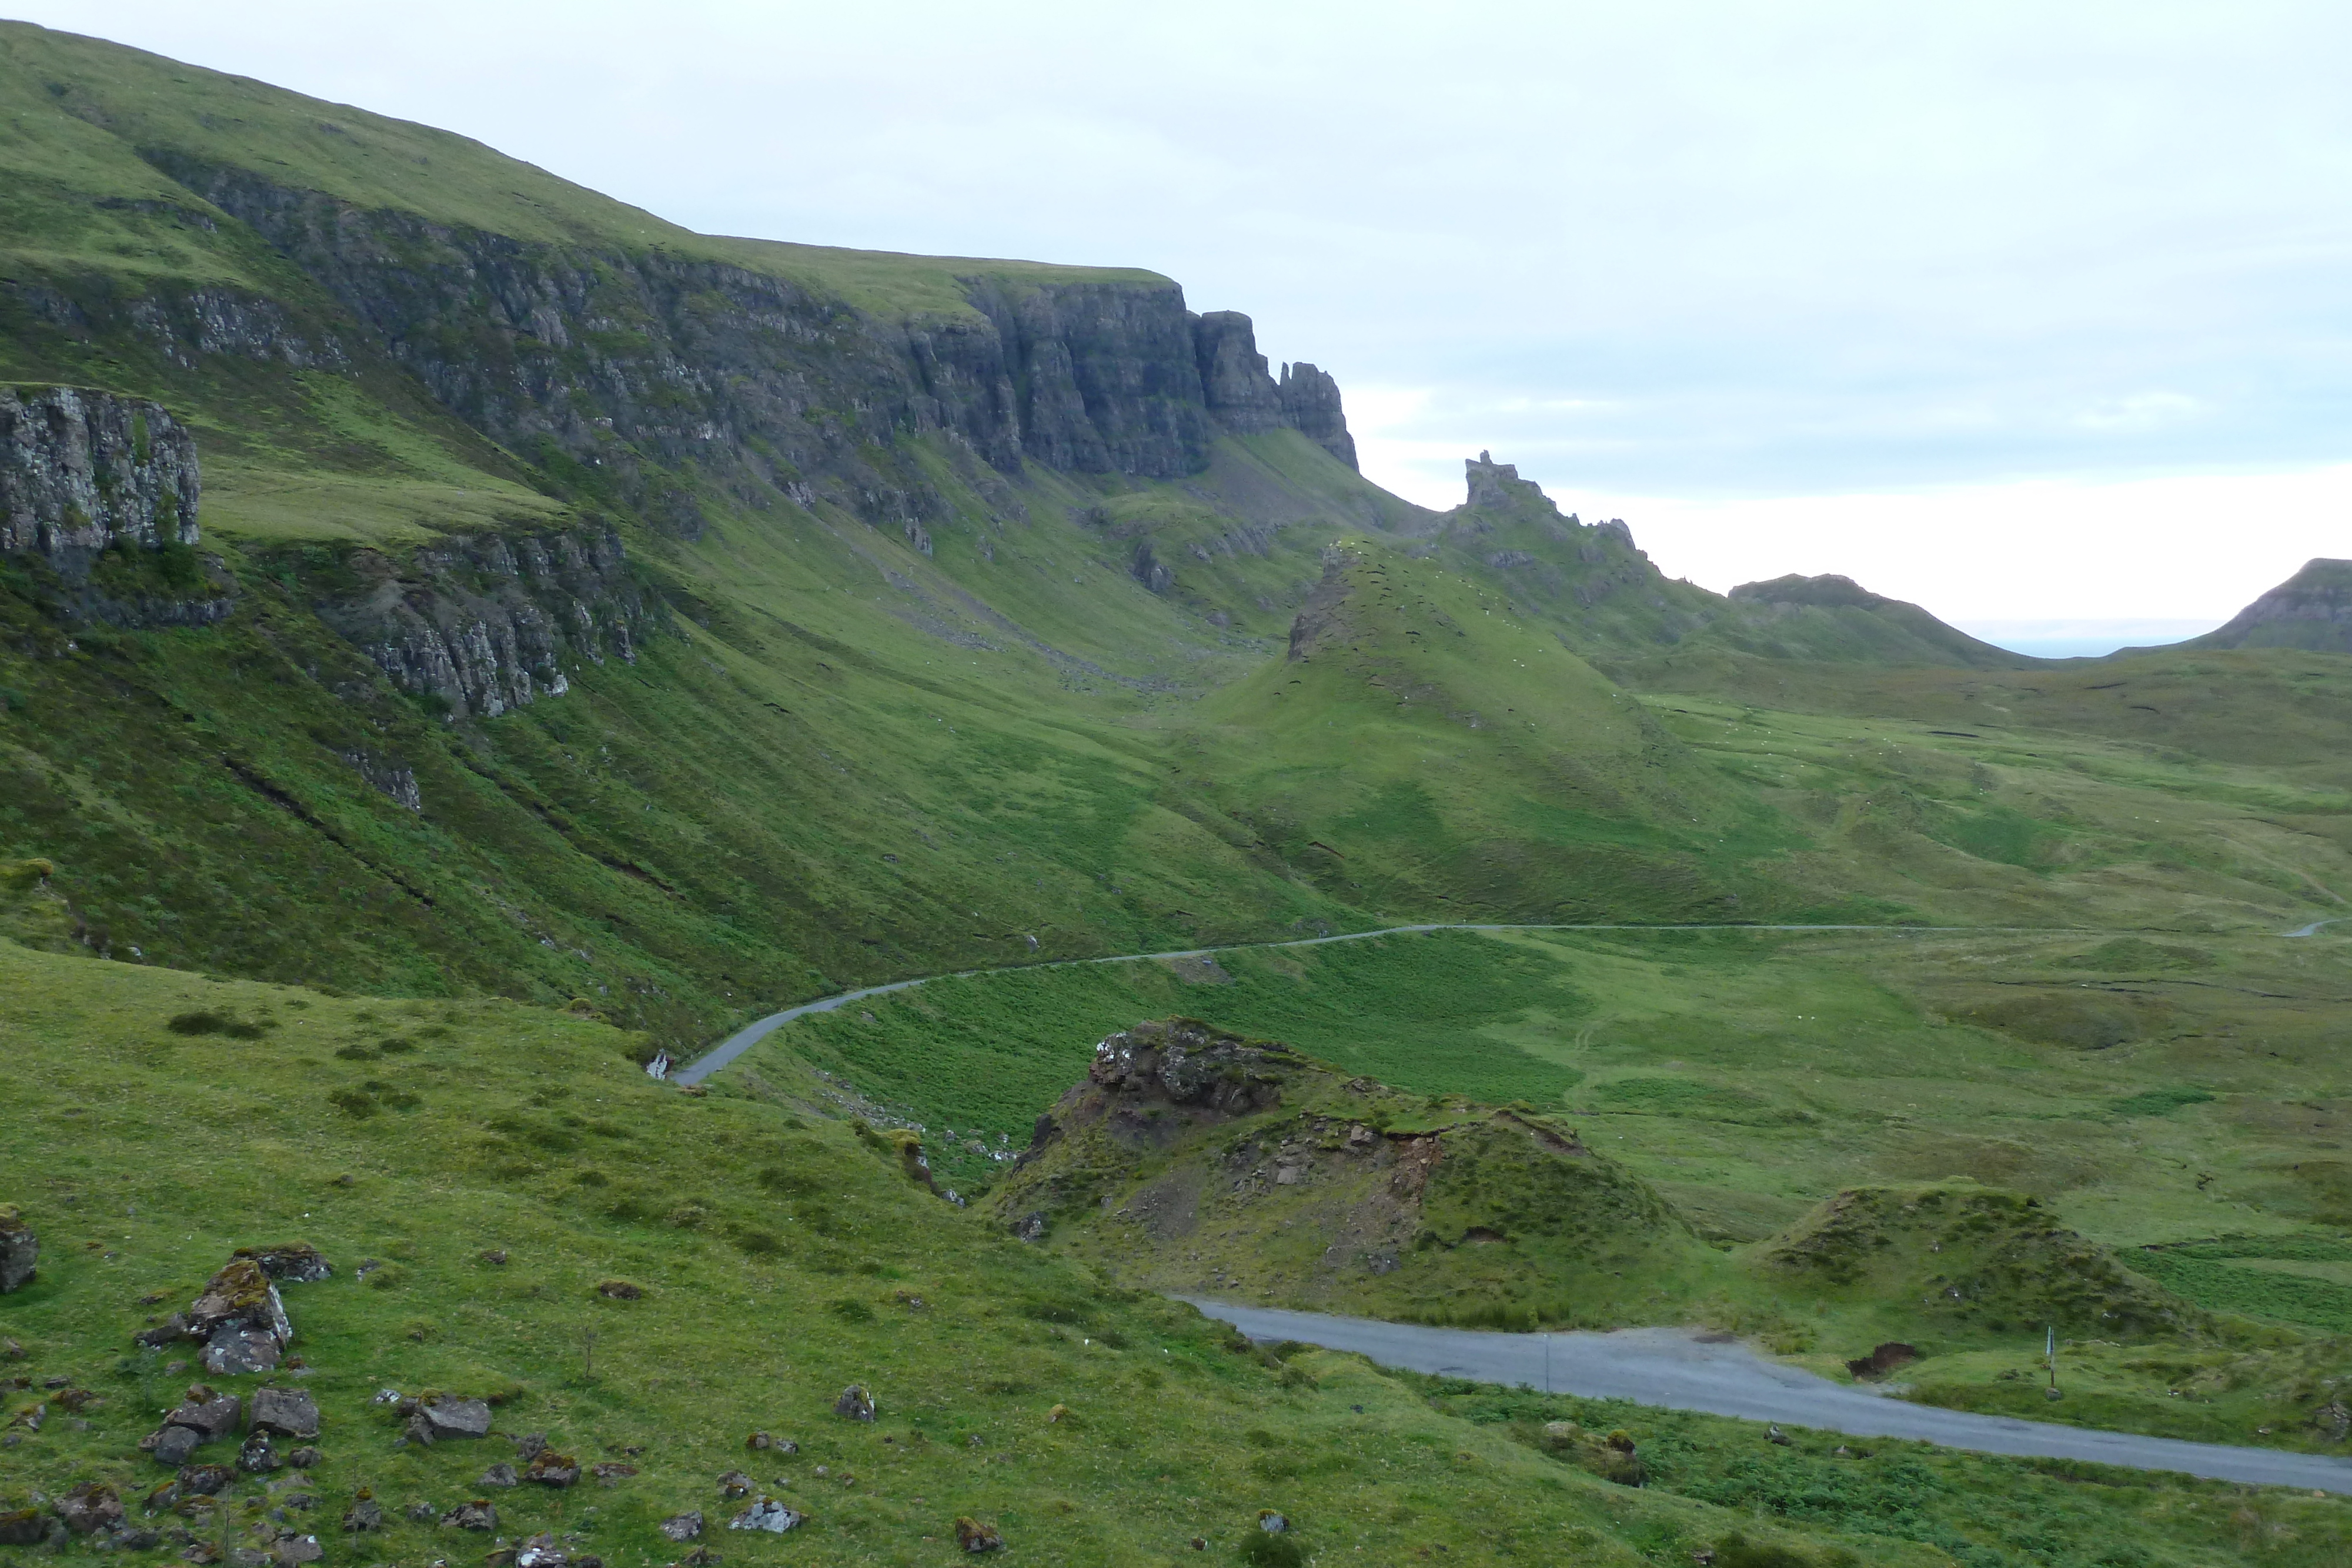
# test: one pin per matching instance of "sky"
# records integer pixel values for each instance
(2039, 315)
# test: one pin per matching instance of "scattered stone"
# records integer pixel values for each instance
(161, 1496)
(422, 1512)
(211, 1414)
(138, 1541)
(683, 1527)
(529, 1446)
(304, 1458)
(172, 1446)
(974, 1536)
(2333, 1420)
(1030, 1227)
(450, 1416)
(854, 1403)
(759, 1440)
(245, 1557)
(205, 1480)
(1272, 1522)
(1772, 1434)
(542, 1551)
(1055, 1414)
(734, 1484)
(620, 1290)
(11, 1351)
(365, 1514)
(499, 1475)
(23, 1527)
(550, 1468)
(259, 1456)
(202, 1552)
(20, 1251)
(701, 1557)
(298, 1264)
(79, 1399)
(292, 1551)
(90, 1506)
(478, 1514)
(385, 1397)
(287, 1412)
(613, 1474)
(766, 1514)
(495, 1256)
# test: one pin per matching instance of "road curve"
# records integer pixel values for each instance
(1673, 1369)
(750, 1034)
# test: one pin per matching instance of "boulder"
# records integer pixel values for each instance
(542, 1551)
(766, 1514)
(23, 1527)
(365, 1514)
(209, 1414)
(529, 1446)
(478, 1514)
(974, 1536)
(175, 1446)
(614, 1473)
(205, 1480)
(450, 1416)
(422, 1512)
(734, 1484)
(287, 1412)
(683, 1527)
(20, 1250)
(292, 1551)
(259, 1456)
(550, 1468)
(304, 1458)
(91, 1506)
(298, 1264)
(854, 1403)
(240, 1296)
(499, 1475)
(233, 1352)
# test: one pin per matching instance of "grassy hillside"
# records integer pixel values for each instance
(478, 1173)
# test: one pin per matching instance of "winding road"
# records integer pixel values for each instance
(752, 1034)
(1674, 1369)
(1670, 1368)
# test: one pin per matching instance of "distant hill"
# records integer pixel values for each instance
(2311, 609)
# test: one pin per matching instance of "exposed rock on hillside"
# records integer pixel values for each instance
(20, 1249)
(1192, 1159)
(643, 374)
(489, 623)
(2313, 610)
(80, 470)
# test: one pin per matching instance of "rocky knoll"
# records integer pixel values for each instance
(1193, 1159)
(2311, 609)
(81, 470)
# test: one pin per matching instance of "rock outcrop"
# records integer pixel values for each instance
(485, 624)
(81, 470)
(20, 1249)
(644, 375)
(2311, 609)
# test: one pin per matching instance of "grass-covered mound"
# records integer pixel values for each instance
(1194, 1160)
(1974, 1257)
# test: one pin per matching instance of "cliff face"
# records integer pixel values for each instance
(486, 624)
(2311, 609)
(82, 470)
(640, 374)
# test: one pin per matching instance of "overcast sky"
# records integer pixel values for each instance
(2028, 311)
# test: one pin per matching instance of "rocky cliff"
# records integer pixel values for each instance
(644, 375)
(2311, 609)
(485, 624)
(81, 470)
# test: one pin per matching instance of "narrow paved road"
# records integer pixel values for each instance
(752, 1034)
(1673, 1370)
